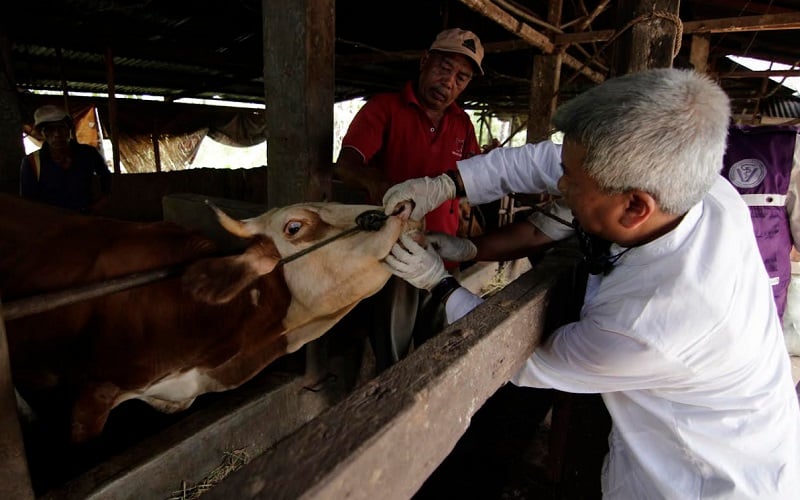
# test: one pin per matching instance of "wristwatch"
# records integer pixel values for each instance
(444, 288)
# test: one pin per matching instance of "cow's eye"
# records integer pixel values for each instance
(292, 227)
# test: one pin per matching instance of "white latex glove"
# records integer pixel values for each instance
(421, 267)
(452, 248)
(427, 193)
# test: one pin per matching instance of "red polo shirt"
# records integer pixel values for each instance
(392, 132)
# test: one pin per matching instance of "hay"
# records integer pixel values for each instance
(496, 283)
(232, 461)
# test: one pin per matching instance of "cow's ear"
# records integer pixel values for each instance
(219, 280)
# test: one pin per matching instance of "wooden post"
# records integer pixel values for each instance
(112, 108)
(14, 478)
(63, 77)
(299, 42)
(545, 80)
(156, 147)
(10, 124)
(650, 41)
(699, 53)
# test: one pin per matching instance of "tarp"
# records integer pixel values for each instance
(180, 128)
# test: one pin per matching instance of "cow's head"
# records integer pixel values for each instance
(324, 283)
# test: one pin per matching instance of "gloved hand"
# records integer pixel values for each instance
(452, 248)
(421, 267)
(427, 193)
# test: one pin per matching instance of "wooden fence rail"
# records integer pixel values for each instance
(381, 440)
(389, 435)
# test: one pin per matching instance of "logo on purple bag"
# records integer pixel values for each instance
(747, 173)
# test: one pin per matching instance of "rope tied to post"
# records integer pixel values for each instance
(656, 14)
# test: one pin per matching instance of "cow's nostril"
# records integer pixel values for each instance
(371, 220)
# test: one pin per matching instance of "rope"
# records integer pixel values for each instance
(371, 220)
(656, 14)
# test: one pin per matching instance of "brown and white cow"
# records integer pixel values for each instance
(209, 329)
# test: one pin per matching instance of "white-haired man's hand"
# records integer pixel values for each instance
(427, 193)
(452, 248)
(422, 267)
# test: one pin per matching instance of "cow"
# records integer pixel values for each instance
(210, 327)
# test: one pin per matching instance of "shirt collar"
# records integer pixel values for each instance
(664, 244)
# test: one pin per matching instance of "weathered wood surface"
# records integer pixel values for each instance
(250, 419)
(299, 43)
(389, 435)
(14, 480)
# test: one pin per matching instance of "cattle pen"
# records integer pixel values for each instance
(304, 428)
(305, 438)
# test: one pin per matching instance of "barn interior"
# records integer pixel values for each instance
(290, 62)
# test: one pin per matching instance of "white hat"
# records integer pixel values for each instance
(50, 113)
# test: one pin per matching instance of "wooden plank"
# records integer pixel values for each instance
(299, 95)
(743, 6)
(528, 34)
(767, 22)
(387, 437)
(646, 44)
(760, 74)
(583, 37)
(11, 123)
(112, 109)
(699, 53)
(249, 420)
(14, 479)
(545, 80)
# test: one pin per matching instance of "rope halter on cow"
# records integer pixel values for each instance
(371, 220)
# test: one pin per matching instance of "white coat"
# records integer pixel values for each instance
(683, 341)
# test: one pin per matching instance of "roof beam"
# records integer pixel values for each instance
(745, 6)
(760, 74)
(768, 22)
(530, 35)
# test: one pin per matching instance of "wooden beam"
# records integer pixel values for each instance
(760, 74)
(298, 55)
(699, 53)
(402, 424)
(507, 21)
(112, 109)
(748, 6)
(11, 124)
(545, 80)
(767, 22)
(583, 37)
(530, 35)
(650, 40)
(15, 480)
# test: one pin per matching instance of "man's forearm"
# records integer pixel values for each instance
(514, 241)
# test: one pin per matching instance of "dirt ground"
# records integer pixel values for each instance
(511, 449)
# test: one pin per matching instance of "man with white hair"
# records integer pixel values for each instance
(678, 331)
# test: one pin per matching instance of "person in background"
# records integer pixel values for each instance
(763, 164)
(62, 172)
(415, 132)
(678, 332)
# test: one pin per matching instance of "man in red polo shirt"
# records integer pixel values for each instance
(416, 132)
